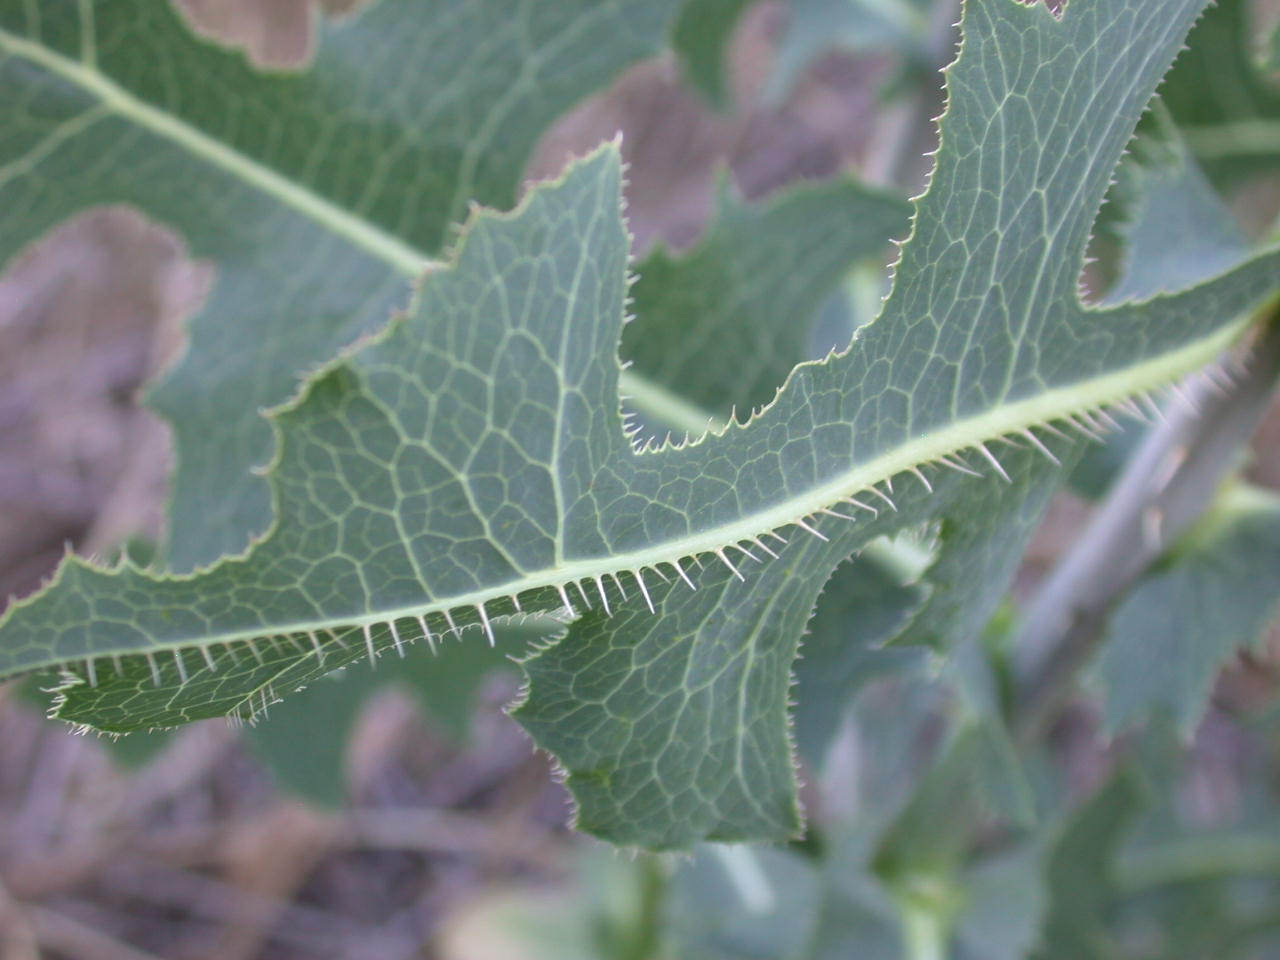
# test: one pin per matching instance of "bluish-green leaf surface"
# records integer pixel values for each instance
(866, 603)
(1175, 230)
(318, 196)
(722, 325)
(1215, 594)
(1228, 109)
(1081, 874)
(471, 460)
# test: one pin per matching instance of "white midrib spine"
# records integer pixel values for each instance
(405, 259)
(1009, 420)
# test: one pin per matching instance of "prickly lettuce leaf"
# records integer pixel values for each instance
(979, 547)
(1215, 594)
(554, 686)
(630, 703)
(866, 603)
(757, 263)
(470, 462)
(318, 196)
(1175, 229)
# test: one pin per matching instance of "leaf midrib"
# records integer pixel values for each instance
(1008, 420)
(642, 393)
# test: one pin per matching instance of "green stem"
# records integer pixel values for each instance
(646, 941)
(925, 931)
(927, 904)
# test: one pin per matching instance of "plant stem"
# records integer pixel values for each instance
(925, 932)
(1164, 488)
(646, 944)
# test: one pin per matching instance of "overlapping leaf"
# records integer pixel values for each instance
(722, 325)
(866, 603)
(318, 196)
(1081, 874)
(1214, 595)
(983, 540)
(471, 460)
(1228, 109)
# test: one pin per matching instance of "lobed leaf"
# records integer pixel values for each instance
(868, 602)
(1215, 594)
(470, 462)
(319, 195)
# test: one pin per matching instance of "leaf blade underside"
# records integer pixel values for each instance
(473, 455)
(319, 195)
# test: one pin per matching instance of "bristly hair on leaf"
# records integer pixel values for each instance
(470, 462)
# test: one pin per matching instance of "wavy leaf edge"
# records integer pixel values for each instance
(1087, 408)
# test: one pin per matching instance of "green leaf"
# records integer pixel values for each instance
(318, 196)
(1003, 906)
(856, 915)
(980, 545)
(930, 834)
(131, 752)
(631, 703)
(866, 603)
(928, 841)
(723, 324)
(1213, 595)
(701, 38)
(1229, 112)
(1080, 874)
(472, 457)
(304, 738)
(1176, 230)
(757, 263)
